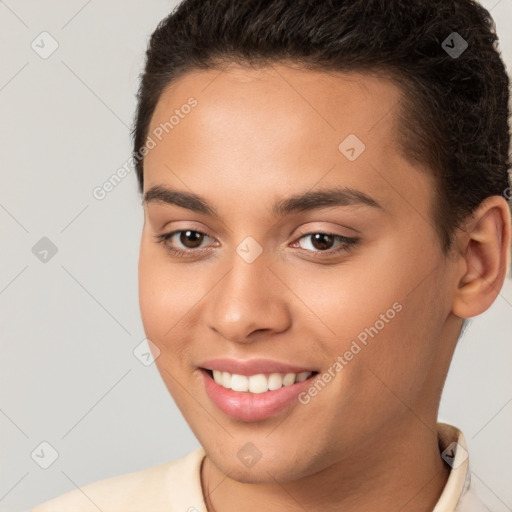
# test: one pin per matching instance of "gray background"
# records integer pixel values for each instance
(69, 326)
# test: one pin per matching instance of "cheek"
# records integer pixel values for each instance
(162, 296)
(150, 295)
(399, 354)
(162, 307)
(386, 320)
(170, 301)
(161, 291)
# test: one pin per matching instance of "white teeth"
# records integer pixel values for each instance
(239, 382)
(259, 383)
(303, 376)
(289, 379)
(275, 381)
(226, 380)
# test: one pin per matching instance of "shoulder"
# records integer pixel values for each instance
(175, 485)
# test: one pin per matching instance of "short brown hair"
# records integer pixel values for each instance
(455, 106)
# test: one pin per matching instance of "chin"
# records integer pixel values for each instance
(266, 470)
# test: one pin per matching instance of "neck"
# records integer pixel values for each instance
(400, 470)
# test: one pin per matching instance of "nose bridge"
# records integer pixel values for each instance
(247, 298)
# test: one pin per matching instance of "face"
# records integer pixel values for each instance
(350, 285)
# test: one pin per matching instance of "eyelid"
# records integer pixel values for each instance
(346, 246)
(328, 231)
(170, 234)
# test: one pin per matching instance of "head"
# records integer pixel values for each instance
(250, 114)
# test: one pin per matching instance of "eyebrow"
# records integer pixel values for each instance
(302, 202)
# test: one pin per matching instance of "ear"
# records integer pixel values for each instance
(484, 257)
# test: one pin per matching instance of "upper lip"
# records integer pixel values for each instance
(252, 366)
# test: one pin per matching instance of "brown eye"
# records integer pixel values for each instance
(191, 239)
(322, 241)
(183, 242)
(323, 244)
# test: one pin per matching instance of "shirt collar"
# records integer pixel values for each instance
(453, 448)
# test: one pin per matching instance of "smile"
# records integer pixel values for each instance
(258, 383)
(254, 397)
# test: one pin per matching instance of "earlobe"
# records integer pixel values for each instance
(484, 263)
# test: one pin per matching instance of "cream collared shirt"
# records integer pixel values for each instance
(176, 486)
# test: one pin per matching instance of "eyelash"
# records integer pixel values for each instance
(348, 244)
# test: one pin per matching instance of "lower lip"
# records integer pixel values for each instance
(247, 406)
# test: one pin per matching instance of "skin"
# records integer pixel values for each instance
(368, 440)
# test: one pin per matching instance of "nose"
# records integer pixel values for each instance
(248, 299)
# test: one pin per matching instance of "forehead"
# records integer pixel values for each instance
(279, 97)
(271, 129)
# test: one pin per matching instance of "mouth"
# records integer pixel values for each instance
(255, 397)
(257, 383)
